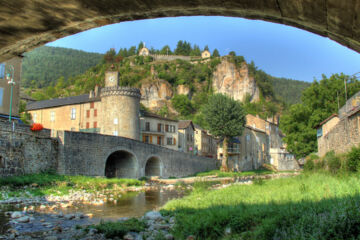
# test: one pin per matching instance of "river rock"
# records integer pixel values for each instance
(128, 237)
(16, 214)
(69, 216)
(24, 219)
(169, 237)
(50, 238)
(153, 215)
(123, 219)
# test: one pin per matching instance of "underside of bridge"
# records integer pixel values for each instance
(26, 24)
(153, 167)
(120, 164)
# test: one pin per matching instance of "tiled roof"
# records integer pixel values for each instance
(326, 120)
(153, 115)
(57, 102)
(185, 123)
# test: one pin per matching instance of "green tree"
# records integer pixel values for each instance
(319, 101)
(226, 119)
(166, 50)
(182, 104)
(216, 53)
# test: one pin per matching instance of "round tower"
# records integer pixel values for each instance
(120, 108)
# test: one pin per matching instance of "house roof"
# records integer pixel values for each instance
(185, 123)
(153, 115)
(326, 120)
(57, 102)
(26, 97)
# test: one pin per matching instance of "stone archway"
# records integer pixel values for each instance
(120, 164)
(153, 167)
(26, 24)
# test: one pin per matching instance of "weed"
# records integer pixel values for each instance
(353, 159)
(119, 229)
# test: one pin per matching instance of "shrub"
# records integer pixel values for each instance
(353, 159)
(310, 162)
(119, 229)
(332, 161)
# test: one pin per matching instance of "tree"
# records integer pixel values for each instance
(140, 46)
(216, 53)
(109, 56)
(319, 101)
(226, 119)
(206, 48)
(182, 104)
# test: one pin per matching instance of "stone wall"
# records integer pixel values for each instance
(170, 57)
(282, 159)
(87, 153)
(342, 137)
(23, 151)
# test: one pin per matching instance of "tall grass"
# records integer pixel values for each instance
(309, 206)
(219, 173)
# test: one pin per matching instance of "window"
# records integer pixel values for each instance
(92, 105)
(87, 125)
(169, 141)
(146, 139)
(95, 112)
(95, 124)
(159, 140)
(87, 113)
(147, 126)
(34, 117)
(116, 121)
(166, 128)
(73, 113)
(115, 133)
(247, 137)
(319, 132)
(52, 116)
(2, 70)
(1, 96)
(159, 127)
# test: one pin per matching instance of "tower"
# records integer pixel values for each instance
(120, 108)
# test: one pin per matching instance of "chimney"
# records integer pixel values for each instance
(96, 91)
(91, 94)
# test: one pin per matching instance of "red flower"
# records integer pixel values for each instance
(36, 127)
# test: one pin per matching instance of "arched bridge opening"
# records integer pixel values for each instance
(120, 164)
(153, 167)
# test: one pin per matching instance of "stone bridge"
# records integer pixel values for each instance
(104, 155)
(75, 153)
(26, 24)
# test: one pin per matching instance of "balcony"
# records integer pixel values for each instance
(153, 132)
(234, 151)
(90, 130)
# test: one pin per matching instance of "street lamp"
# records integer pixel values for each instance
(9, 74)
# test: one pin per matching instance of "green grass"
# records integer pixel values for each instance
(47, 183)
(218, 173)
(309, 206)
(119, 229)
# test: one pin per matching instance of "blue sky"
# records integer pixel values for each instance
(279, 50)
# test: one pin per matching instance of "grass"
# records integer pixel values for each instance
(119, 229)
(47, 183)
(218, 173)
(309, 206)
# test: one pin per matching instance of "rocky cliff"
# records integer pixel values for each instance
(155, 94)
(234, 82)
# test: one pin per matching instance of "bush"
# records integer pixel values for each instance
(332, 161)
(310, 162)
(353, 159)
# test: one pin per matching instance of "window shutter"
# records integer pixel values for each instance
(174, 141)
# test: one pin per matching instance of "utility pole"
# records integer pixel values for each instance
(10, 78)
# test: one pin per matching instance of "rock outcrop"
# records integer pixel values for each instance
(182, 89)
(236, 83)
(155, 94)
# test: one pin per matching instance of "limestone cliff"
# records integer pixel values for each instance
(155, 94)
(236, 83)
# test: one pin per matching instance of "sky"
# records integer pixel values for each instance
(279, 50)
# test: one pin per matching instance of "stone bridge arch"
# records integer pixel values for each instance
(121, 163)
(153, 166)
(26, 24)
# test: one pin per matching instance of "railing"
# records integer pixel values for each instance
(234, 150)
(152, 131)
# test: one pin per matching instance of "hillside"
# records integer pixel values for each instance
(45, 65)
(289, 90)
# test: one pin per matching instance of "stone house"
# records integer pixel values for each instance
(340, 132)
(5, 88)
(205, 144)
(158, 130)
(205, 54)
(186, 136)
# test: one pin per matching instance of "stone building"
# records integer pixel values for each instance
(205, 144)
(158, 130)
(340, 132)
(144, 51)
(205, 54)
(186, 136)
(112, 110)
(5, 88)
(261, 142)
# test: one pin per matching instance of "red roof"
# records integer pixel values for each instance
(326, 120)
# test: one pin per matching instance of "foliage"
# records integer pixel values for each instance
(310, 162)
(332, 161)
(353, 159)
(182, 104)
(216, 53)
(319, 101)
(164, 111)
(288, 90)
(42, 66)
(119, 229)
(225, 116)
(309, 206)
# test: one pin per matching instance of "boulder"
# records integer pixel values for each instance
(153, 215)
